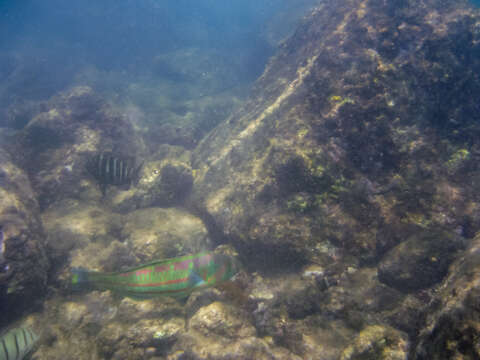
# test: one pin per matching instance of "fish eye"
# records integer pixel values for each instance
(156, 171)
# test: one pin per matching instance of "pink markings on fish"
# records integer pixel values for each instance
(183, 265)
(168, 282)
(203, 260)
(162, 268)
(143, 271)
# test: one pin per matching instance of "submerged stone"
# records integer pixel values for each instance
(377, 342)
(452, 327)
(421, 261)
(23, 260)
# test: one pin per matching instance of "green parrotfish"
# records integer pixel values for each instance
(176, 277)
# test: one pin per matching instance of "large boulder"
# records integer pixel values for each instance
(86, 234)
(452, 327)
(421, 261)
(347, 141)
(156, 233)
(56, 143)
(166, 180)
(23, 261)
(73, 225)
(377, 342)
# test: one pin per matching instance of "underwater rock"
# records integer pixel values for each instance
(452, 327)
(173, 135)
(18, 114)
(134, 310)
(72, 314)
(156, 233)
(155, 333)
(199, 299)
(68, 326)
(125, 330)
(94, 311)
(23, 260)
(219, 319)
(378, 342)
(421, 261)
(73, 224)
(220, 331)
(408, 315)
(330, 144)
(97, 256)
(55, 144)
(358, 298)
(166, 182)
(247, 348)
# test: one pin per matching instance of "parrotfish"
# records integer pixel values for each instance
(176, 277)
(110, 169)
(17, 343)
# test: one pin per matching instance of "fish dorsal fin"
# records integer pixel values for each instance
(159, 263)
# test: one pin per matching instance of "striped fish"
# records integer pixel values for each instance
(176, 277)
(109, 169)
(17, 343)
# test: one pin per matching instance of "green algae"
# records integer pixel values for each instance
(457, 159)
(340, 101)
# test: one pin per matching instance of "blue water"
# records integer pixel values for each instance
(51, 40)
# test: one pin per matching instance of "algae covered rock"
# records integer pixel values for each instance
(98, 326)
(23, 261)
(56, 143)
(134, 310)
(68, 326)
(72, 224)
(98, 239)
(378, 342)
(220, 331)
(421, 261)
(452, 327)
(331, 145)
(165, 181)
(218, 319)
(156, 233)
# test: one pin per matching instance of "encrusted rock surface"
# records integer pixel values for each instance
(421, 261)
(72, 224)
(346, 142)
(348, 183)
(23, 261)
(55, 144)
(452, 328)
(156, 233)
(85, 234)
(377, 342)
(166, 181)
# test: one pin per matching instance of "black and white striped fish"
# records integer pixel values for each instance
(16, 343)
(109, 169)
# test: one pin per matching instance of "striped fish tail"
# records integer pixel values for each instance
(80, 279)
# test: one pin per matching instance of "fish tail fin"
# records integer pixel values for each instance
(80, 279)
